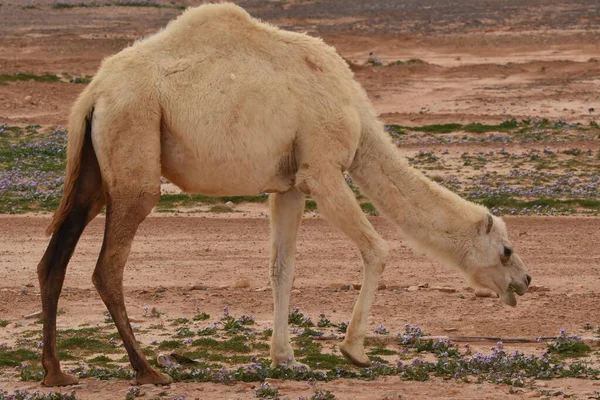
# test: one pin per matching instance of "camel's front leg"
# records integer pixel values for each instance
(286, 214)
(337, 203)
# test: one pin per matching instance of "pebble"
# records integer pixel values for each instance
(229, 203)
(199, 287)
(36, 314)
(356, 286)
(424, 285)
(443, 289)
(262, 289)
(413, 289)
(538, 288)
(450, 329)
(534, 394)
(27, 98)
(242, 284)
(381, 286)
(484, 293)
(337, 286)
(295, 291)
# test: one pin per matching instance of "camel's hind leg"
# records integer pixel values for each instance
(87, 202)
(128, 150)
(336, 202)
(286, 214)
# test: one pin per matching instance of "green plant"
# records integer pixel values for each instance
(265, 391)
(297, 318)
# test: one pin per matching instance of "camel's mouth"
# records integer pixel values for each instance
(508, 297)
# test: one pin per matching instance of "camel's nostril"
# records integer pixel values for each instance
(528, 280)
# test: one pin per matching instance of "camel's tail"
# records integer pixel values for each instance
(80, 125)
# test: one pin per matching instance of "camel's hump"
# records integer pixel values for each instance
(224, 12)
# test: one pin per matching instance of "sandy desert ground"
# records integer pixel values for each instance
(472, 61)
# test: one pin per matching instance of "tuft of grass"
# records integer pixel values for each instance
(14, 358)
(296, 317)
(310, 205)
(170, 344)
(171, 201)
(6, 78)
(568, 346)
(85, 345)
(4, 323)
(201, 316)
(235, 344)
(369, 209)
(324, 361)
(100, 359)
(265, 391)
(220, 209)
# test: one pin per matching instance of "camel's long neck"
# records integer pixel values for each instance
(436, 220)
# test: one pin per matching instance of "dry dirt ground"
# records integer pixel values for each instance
(176, 252)
(483, 61)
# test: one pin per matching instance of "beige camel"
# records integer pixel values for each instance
(222, 104)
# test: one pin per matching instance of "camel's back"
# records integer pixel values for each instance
(224, 37)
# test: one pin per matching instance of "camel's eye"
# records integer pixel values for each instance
(507, 252)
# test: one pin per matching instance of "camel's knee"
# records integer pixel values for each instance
(376, 256)
(133, 208)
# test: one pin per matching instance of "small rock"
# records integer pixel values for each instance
(198, 287)
(262, 289)
(242, 284)
(484, 293)
(443, 289)
(229, 203)
(138, 320)
(337, 286)
(221, 287)
(356, 286)
(450, 329)
(538, 288)
(27, 98)
(295, 291)
(29, 284)
(136, 327)
(36, 314)
(381, 286)
(424, 285)
(413, 289)
(161, 289)
(534, 394)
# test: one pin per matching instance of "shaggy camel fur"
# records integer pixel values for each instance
(222, 104)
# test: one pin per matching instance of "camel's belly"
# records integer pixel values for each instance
(215, 169)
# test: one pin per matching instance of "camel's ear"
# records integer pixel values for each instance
(488, 222)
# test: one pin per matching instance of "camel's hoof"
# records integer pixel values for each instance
(60, 379)
(356, 357)
(153, 377)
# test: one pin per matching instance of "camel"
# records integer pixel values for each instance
(222, 104)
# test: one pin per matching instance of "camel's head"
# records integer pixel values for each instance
(492, 263)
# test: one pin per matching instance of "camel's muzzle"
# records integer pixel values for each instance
(518, 287)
